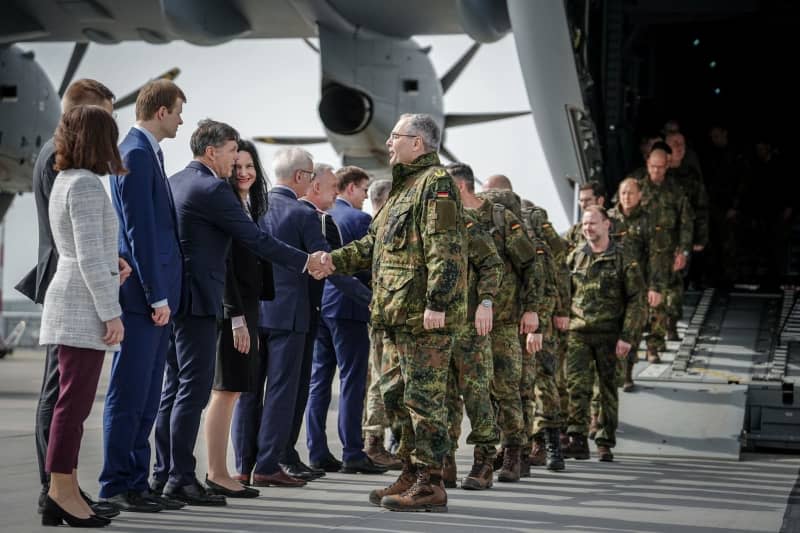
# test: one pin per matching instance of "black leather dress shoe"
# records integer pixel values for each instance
(302, 471)
(365, 465)
(193, 494)
(133, 502)
(101, 509)
(164, 501)
(329, 464)
(216, 488)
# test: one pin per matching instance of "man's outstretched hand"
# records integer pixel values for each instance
(320, 265)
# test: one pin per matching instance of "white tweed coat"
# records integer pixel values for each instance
(84, 292)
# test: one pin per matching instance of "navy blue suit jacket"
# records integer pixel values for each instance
(353, 224)
(148, 237)
(209, 216)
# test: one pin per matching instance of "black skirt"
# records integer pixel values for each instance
(235, 371)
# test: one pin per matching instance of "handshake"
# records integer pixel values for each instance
(320, 265)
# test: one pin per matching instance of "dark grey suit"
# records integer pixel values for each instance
(34, 286)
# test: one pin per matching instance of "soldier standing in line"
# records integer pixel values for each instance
(515, 313)
(538, 390)
(633, 229)
(688, 177)
(416, 247)
(607, 314)
(471, 367)
(375, 420)
(589, 193)
(673, 225)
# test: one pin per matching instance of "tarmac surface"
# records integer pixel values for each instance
(639, 492)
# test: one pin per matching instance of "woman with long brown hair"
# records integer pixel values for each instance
(81, 309)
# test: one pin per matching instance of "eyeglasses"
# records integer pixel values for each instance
(309, 172)
(396, 136)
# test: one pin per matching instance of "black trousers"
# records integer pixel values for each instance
(290, 456)
(44, 409)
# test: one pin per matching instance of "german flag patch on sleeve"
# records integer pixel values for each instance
(515, 226)
(442, 194)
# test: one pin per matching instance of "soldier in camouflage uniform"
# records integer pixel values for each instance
(688, 177)
(607, 313)
(375, 422)
(589, 193)
(471, 367)
(514, 313)
(632, 227)
(416, 247)
(539, 393)
(673, 224)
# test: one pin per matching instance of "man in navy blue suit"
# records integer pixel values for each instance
(209, 216)
(342, 341)
(148, 237)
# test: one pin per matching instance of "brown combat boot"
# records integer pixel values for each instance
(426, 494)
(481, 476)
(672, 330)
(652, 356)
(404, 481)
(593, 427)
(449, 471)
(380, 455)
(578, 447)
(498, 460)
(510, 470)
(538, 454)
(604, 454)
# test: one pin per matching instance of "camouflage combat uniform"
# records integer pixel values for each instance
(636, 232)
(471, 367)
(544, 409)
(416, 247)
(517, 295)
(673, 226)
(608, 304)
(375, 421)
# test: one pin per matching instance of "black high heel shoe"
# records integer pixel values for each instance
(54, 515)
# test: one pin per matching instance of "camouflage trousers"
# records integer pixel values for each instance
(414, 390)
(671, 308)
(507, 358)
(374, 421)
(538, 392)
(582, 351)
(471, 370)
(561, 372)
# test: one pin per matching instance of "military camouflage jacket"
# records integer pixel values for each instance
(485, 266)
(574, 236)
(635, 233)
(416, 247)
(518, 292)
(671, 215)
(689, 179)
(608, 293)
(538, 226)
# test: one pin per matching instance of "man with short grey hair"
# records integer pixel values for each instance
(288, 161)
(425, 128)
(378, 193)
(208, 217)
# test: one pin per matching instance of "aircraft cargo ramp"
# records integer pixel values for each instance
(725, 377)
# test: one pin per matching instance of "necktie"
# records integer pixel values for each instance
(160, 155)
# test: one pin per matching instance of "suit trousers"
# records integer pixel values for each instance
(132, 400)
(342, 343)
(187, 387)
(290, 456)
(247, 414)
(44, 408)
(79, 371)
(283, 377)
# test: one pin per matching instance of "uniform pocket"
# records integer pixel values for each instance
(396, 236)
(393, 299)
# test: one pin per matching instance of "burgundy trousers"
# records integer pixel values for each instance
(79, 370)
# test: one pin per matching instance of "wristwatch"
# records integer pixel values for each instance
(487, 303)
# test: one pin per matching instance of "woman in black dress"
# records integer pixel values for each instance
(248, 279)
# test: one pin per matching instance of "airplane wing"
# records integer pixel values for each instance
(208, 22)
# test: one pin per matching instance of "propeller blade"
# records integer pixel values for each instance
(311, 45)
(130, 98)
(448, 154)
(455, 120)
(74, 62)
(291, 140)
(455, 71)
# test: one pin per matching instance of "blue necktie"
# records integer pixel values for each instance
(160, 155)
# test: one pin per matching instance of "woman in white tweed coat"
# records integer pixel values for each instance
(81, 307)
